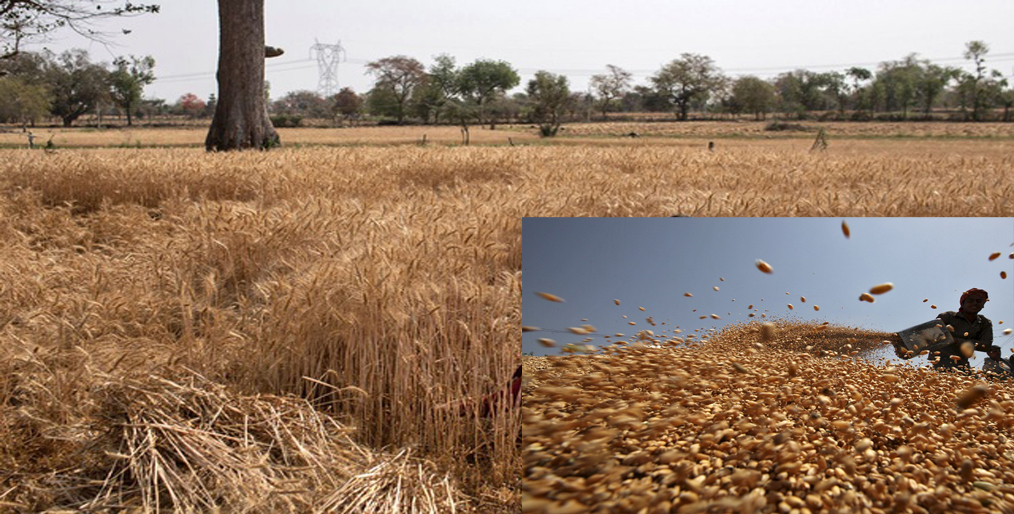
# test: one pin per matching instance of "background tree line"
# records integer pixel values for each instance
(35, 86)
(691, 85)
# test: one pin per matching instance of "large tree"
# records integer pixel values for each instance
(858, 75)
(976, 52)
(753, 95)
(610, 86)
(441, 86)
(484, 80)
(687, 80)
(241, 118)
(21, 102)
(803, 90)
(346, 103)
(550, 96)
(128, 80)
(932, 82)
(397, 79)
(835, 89)
(900, 80)
(24, 21)
(77, 85)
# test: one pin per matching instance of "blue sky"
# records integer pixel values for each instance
(576, 38)
(652, 262)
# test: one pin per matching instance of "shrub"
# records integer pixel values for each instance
(782, 126)
(287, 120)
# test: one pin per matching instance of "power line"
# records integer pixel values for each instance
(328, 69)
(270, 66)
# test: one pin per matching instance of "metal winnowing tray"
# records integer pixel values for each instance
(930, 336)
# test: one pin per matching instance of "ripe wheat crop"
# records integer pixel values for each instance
(144, 291)
(755, 129)
(194, 136)
(365, 285)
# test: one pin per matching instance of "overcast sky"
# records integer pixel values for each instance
(652, 262)
(573, 37)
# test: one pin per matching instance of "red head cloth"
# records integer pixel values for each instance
(975, 292)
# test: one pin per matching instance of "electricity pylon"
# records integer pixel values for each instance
(328, 57)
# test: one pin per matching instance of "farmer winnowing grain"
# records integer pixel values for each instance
(969, 326)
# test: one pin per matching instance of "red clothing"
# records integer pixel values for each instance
(973, 291)
(509, 397)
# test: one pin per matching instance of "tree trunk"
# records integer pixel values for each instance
(241, 117)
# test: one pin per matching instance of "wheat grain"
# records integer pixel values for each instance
(881, 288)
(550, 297)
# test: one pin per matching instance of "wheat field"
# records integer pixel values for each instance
(759, 129)
(193, 136)
(276, 330)
(751, 134)
(366, 286)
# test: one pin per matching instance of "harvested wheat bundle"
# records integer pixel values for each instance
(393, 485)
(187, 444)
(190, 445)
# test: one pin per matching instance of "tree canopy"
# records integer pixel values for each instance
(483, 80)
(550, 97)
(397, 79)
(687, 79)
(127, 82)
(23, 21)
(610, 85)
(77, 85)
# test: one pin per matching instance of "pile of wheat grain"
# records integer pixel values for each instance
(796, 422)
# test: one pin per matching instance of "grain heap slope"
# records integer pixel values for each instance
(802, 421)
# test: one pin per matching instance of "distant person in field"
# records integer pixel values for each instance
(505, 399)
(968, 326)
(996, 365)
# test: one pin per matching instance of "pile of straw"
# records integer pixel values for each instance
(186, 444)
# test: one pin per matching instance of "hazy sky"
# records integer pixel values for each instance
(652, 262)
(573, 37)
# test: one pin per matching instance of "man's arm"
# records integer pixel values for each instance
(987, 334)
(985, 339)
